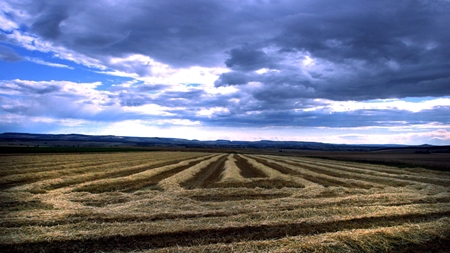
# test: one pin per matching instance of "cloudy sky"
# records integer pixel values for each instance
(314, 70)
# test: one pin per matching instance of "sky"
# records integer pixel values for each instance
(354, 72)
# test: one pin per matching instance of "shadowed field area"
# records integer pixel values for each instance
(218, 202)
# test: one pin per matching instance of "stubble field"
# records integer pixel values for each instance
(211, 202)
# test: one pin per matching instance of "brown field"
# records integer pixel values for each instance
(218, 202)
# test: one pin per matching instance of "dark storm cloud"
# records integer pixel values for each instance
(390, 48)
(48, 24)
(372, 50)
(234, 78)
(179, 33)
(246, 58)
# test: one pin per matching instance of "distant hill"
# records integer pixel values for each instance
(80, 140)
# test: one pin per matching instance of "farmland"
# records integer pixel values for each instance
(218, 202)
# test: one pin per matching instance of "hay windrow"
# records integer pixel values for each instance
(231, 171)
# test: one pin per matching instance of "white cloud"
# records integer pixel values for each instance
(437, 137)
(6, 24)
(146, 129)
(262, 71)
(50, 64)
(308, 61)
(382, 104)
(119, 73)
(266, 70)
(150, 109)
(146, 69)
(212, 110)
(178, 122)
(53, 99)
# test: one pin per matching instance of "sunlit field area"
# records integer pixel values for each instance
(218, 202)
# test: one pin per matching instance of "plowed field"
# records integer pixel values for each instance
(205, 202)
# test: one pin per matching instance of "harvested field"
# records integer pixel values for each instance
(212, 202)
